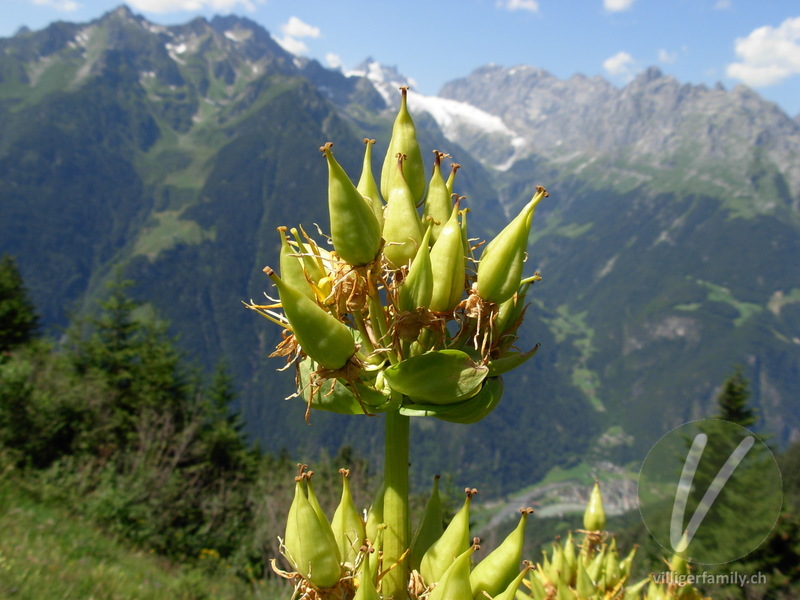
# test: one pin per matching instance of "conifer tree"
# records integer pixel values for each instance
(732, 401)
(137, 361)
(18, 319)
(223, 435)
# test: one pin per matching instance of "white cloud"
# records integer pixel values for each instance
(664, 56)
(768, 55)
(529, 5)
(62, 5)
(620, 65)
(334, 60)
(617, 5)
(293, 30)
(292, 45)
(298, 29)
(722, 5)
(168, 6)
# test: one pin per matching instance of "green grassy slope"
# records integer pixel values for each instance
(46, 552)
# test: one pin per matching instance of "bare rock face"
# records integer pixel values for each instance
(728, 138)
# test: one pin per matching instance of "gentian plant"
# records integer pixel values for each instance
(399, 313)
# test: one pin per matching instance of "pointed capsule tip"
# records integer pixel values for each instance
(326, 148)
(269, 271)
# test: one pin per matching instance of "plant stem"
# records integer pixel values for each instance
(396, 538)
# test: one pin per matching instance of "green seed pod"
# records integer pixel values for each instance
(452, 178)
(452, 543)
(448, 262)
(495, 572)
(292, 270)
(564, 593)
(633, 592)
(467, 412)
(510, 361)
(656, 592)
(375, 517)
(366, 588)
(584, 585)
(611, 572)
(366, 591)
(556, 562)
(308, 544)
(510, 312)
(537, 585)
(323, 337)
(454, 582)
(625, 563)
(404, 141)
(437, 377)
(291, 537)
(348, 527)
(678, 565)
(678, 562)
(437, 200)
(335, 396)
(464, 234)
(595, 566)
(500, 267)
(401, 224)
(594, 519)
(355, 231)
(510, 592)
(430, 527)
(312, 261)
(544, 570)
(367, 186)
(418, 285)
(570, 561)
(323, 519)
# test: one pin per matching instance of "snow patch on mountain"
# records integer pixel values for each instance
(387, 80)
(460, 122)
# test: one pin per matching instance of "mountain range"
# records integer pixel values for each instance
(171, 154)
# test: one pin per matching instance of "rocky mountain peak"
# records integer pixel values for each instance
(385, 79)
(655, 122)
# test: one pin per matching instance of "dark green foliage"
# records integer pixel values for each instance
(733, 398)
(18, 319)
(139, 365)
(119, 429)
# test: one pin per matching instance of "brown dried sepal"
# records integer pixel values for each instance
(349, 373)
(484, 313)
(288, 346)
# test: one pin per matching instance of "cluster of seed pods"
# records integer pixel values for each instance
(399, 310)
(342, 558)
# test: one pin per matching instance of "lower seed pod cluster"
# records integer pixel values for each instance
(343, 558)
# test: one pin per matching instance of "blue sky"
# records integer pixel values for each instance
(432, 42)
